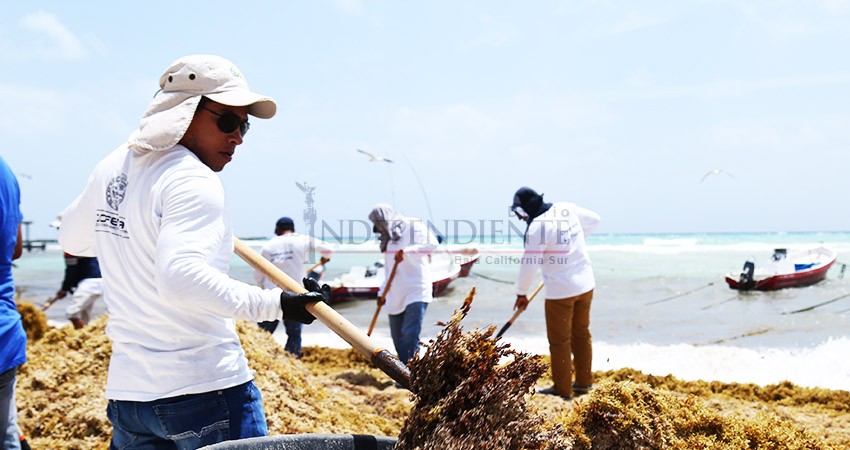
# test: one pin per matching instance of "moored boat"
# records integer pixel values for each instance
(362, 283)
(785, 270)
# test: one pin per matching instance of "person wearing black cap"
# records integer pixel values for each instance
(154, 213)
(554, 242)
(289, 251)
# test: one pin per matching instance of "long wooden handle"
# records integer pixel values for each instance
(320, 263)
(50, 301)
(519, 311)
(380, 357)
(382, 299)
(56, 297)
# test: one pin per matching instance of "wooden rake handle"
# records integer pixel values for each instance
(382, 299)
(519, 311)
(380, 357)
(313, 267)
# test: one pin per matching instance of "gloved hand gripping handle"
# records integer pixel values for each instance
(380, 357)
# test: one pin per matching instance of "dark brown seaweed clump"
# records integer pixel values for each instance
(60, 389)
(61, 403)
(466, 398)
(62, 407)
(33, 319)
(784, 393)
(624, 414)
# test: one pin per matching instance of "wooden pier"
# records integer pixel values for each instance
(30, 244)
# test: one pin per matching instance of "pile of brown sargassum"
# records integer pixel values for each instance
(464, 395)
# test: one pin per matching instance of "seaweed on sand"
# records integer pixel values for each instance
(62, 406)
(33, 320)
(61, 402)
(60, 389)
(465, 397)
(634, 415)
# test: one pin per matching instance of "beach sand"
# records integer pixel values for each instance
(61, 404)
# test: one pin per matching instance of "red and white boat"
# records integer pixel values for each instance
(362, 283)
(785, 270)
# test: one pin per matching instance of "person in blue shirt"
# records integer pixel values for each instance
(13, 338)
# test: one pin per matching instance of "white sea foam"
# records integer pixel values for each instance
(636, 276)
(808, 367)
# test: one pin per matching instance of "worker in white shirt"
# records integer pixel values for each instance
(555, 244)
(289, 251)
(408, 241)
(154, 213)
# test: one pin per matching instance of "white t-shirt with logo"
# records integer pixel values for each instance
(413, 281)
(288, 252)
(555, 242)
(157, 222)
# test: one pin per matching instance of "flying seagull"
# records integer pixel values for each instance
(373, 157)
(715, 172)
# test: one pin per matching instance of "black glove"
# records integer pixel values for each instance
(313, 286)
(293, 305)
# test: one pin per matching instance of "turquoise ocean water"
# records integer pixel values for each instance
(661, 305)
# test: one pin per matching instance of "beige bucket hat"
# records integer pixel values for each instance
(181, 88)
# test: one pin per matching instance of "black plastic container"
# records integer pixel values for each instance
(309, 442)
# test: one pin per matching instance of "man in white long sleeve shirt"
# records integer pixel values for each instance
(555, 243)
(409, 242)
(288, 251)
(154, 214)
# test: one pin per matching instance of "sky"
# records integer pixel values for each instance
(620, 107)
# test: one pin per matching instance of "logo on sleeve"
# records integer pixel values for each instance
(110, 221)
(115, 191)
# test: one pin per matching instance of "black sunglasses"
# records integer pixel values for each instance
(229, 121)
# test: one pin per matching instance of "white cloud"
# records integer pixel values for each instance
(781, 25)
(36, 113)
(505, 117)
(494, 34)
(41, 36)
(348, 6)
(602, 18)
(724, 88)
(631, 23)
(785, 136)
(839, 6)
(31, 111)
(524, 124)
(452, 120)
(788, 21)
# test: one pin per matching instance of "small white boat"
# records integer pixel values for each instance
(798, 269)
(362, 283)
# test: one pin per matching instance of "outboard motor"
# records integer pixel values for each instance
(747, 282)
(372, 270)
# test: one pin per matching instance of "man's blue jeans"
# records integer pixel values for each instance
(8, 411)
(405, 329)
(188, 421)
(293, 336)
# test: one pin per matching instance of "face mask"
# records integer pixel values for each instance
(519, 212)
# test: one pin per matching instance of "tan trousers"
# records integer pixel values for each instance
(570, 343)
